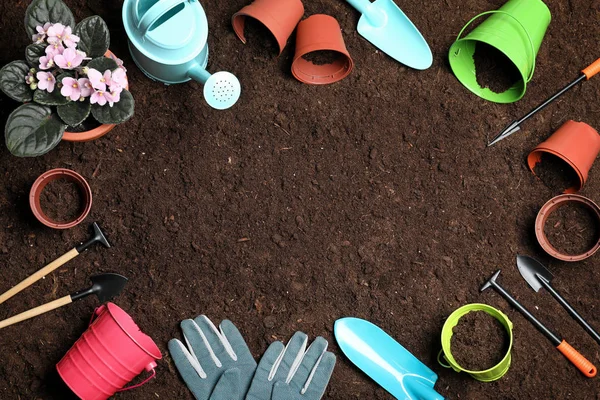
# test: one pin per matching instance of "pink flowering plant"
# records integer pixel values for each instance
(64, 81)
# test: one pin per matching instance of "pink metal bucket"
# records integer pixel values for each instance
(109, 355)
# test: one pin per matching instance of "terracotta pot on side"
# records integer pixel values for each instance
(280, 17)
(93, 134)
(577, 143)
(320, 33)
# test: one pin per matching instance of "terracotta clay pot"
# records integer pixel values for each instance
(91, 134)
(45, 179)
(577, 143)
(280, 17)
(545, 213)
(319, 33)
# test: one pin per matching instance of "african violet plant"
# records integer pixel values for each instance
(65, 80)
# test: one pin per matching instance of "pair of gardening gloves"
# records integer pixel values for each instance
(217, 365)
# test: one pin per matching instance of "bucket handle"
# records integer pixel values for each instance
(156, 12)
(138, 385)
(439, 360)
(519, 22)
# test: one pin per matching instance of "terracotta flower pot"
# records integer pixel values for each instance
(94, 133)
(545, 213)
(321, 33)
(280, 17)
(52, 175)
(577, 143)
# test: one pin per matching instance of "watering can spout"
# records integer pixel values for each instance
(221, 90)
(199, 74)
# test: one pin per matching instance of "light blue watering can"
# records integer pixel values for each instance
(168, 42)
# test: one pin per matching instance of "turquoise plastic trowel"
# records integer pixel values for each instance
(385, 25)
(386, 361)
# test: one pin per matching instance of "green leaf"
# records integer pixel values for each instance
(41, 11)
(32, 130)
(50, 99)
(34, 52)
(118, 113)
(101, 64)
(94, 35)
(12, 81)
(75, 112)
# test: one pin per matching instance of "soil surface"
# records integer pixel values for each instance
(62, 200)
(556, 173)
(374, 197)
(479, 341)
(322, 57)
(573, 228)
(493, 69)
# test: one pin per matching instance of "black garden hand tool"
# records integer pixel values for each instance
(515, 126)
(586, 367)
(537, 276)
(62, 260)
(105, 286)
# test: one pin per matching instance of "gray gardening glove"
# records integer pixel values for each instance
(293, 373)
(216, 364)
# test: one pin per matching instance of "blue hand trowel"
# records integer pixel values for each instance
(386, 361)
(385, 25)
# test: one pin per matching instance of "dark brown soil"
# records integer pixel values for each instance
(556, 173)
(479, 341)
(573, 228)
(62, 200)
(322, 57)
(493, 69)
(373, 197)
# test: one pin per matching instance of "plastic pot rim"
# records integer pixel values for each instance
(547, 210)
(40, 184)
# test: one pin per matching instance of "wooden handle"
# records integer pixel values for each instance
(582, 364)
(592, 69)
(62, 260)
(34, 312)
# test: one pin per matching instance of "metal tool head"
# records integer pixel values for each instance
(532, 271)
(97, 238)
(509, 130)
(491, 281)
(104, 286)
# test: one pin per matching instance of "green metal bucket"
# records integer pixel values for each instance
(517, 30)
(487, 375)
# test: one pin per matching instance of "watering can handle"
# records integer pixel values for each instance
(156, 12)
(519, 22)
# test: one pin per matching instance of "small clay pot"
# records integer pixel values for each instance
(280, 17)
(577, 143)
(45, 179)
(95, 133)
(318, 33)
(545, 213)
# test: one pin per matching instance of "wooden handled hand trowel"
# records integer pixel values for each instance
(105, 286)
(385, 360)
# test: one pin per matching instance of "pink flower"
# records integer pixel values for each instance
(42, 31)
(113, 97)
(54, 49)
(69, 39)
(71, 89)
(69, 59)
(98, 80)
(86, 87)
(46, 62)
(55, 33)
(46, 81)
(99, 96)
(119, 62)
(118, 79)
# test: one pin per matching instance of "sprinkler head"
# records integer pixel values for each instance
(222, 90)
